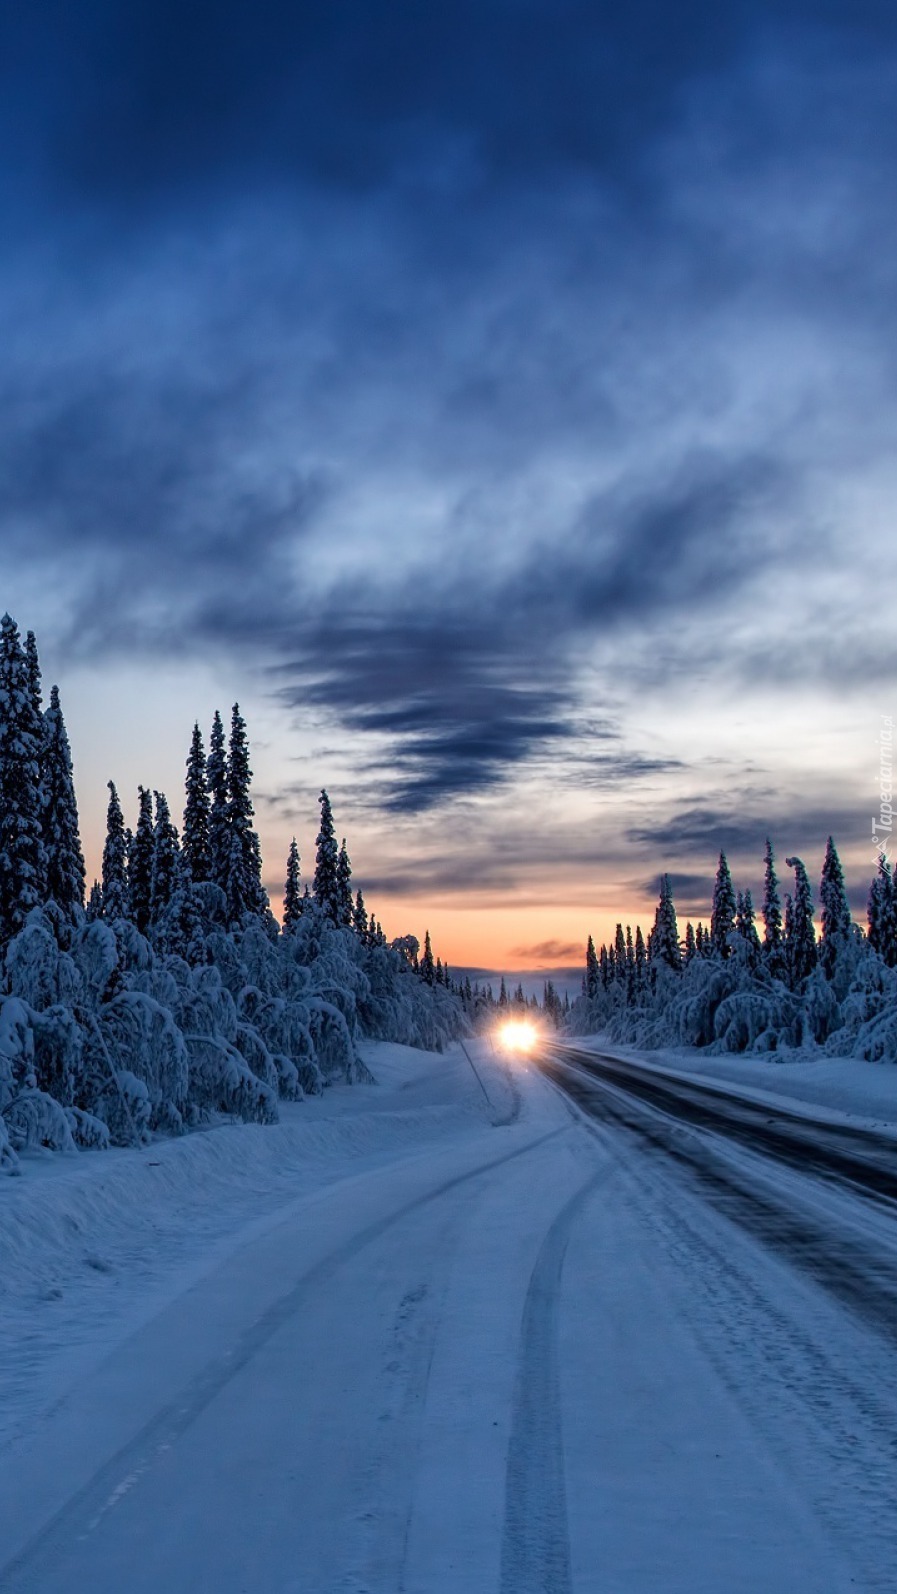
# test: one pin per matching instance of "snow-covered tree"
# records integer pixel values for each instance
(882, 913)
(195, 839)
(219, 823)
(115, 861)
(773, 937)
(344, 886)
(641, 957)
(166, 850)
(140, 863)
(62, 842)
(360, 918)
(593, 973)
(722, 913)
(22, 860)
(745, 927)
(427, 964)
(248, 890)
(836, 920)
(800, 936)
(292, 894)
(691, 947)
(663, 942)
(326, 883)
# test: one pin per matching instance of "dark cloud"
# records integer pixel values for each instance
(473, 680)
(562, 322)
(546, 951)
(122, 101)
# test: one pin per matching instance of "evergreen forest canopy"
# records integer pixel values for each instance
(726, 988)
(172, 995)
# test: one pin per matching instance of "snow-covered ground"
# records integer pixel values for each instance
(411, 1339)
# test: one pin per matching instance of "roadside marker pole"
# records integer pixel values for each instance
(476, 1072)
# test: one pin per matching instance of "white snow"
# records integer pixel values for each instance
(411, 1339)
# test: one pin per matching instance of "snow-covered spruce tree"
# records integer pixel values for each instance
(166, 850)
(62, 840)
(722, 913)
(882, 913)
(773, 936)
(691, 946)
(641, 959)
(360, 919)
(801, 933)
(344, 886)
(745, 927)
(663, 942)
(326, 883)
(837, 925)
(244, 890)
(22, 860)
(32, 665)
(593, 975)
(620, 955)
(427, 964)
(292, 892)
(140, 863)
(219, 825)
(115, 861)
(195, 839)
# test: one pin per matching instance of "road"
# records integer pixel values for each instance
(555, 1350)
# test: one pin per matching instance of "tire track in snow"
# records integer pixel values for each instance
(535, 1557)
(84, 1511)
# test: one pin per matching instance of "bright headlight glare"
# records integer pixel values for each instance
(518, 1035)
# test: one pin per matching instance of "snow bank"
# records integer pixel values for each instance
(89, 1246)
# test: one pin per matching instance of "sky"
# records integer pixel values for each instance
(496, 399)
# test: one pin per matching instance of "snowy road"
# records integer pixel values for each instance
(532, 1352)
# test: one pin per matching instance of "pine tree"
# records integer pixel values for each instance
(722, 913)
(22, 860)
(801, 945)
(620, 954)
(326, 884)
(344, 886)
(166, 853)
(593, 973)
(32, 666)
(663, 942)
(292, 896)
(360, 919)
(219, 824)
(641, 957)
(115, 861)
(773, 938)
(427, 964)
(140, 863)
(195, 843)
(243, 889)
(836, 920)
(62, 841)
(882, 913)
(630, 966)
(691, 948)
(503, 994)
(94, 909)
(746, 928)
